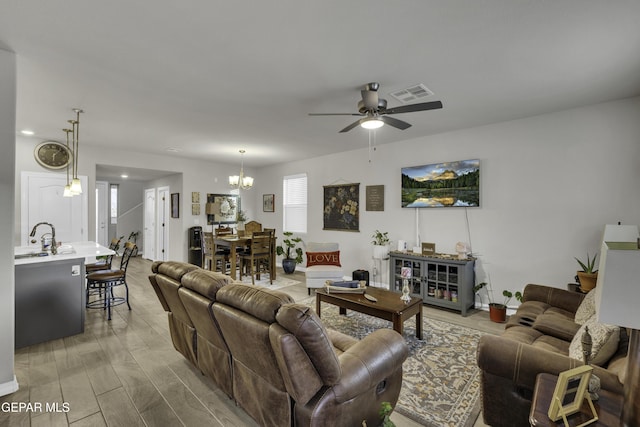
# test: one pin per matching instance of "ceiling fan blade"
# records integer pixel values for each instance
(434, 105)
(351, 126)
(399, 124)
(370, 99)
(336, 114)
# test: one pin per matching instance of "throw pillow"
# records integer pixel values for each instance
(586, 309)
(605, 340)
(323, 258)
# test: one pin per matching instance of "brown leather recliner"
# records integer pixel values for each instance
(335, 379)
(198, 292)
(274, 357)
(166, 282)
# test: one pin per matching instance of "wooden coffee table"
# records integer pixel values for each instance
(389, 306)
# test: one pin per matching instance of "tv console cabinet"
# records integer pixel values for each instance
(441, 280)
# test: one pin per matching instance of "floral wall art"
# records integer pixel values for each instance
(342, 207)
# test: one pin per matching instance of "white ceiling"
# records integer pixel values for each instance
(211, 77)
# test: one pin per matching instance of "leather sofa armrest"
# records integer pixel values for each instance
(555, 297)
(522, 362)
(369, 362)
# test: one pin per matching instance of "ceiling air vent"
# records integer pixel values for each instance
(412, 93)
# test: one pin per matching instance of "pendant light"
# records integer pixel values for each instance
(76, 186)
(241, 181)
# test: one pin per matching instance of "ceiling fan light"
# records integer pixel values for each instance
(372, 123)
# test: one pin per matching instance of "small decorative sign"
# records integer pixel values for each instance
(375, 198)
(428, 249)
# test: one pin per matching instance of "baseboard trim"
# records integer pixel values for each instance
(9, 387)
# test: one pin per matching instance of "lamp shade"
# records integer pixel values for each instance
(618, 287)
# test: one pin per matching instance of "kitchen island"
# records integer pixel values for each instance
(50, 291)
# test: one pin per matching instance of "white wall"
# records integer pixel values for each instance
(7, 188)
(549, 184)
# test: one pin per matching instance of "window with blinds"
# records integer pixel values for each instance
(294, 203)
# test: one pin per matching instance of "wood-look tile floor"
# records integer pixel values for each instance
(125, 372)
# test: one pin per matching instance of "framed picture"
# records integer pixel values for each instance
(222, 208)
(268, 203)
(374, 198)
(342, 207)
(195, 197)
(569, 394)
(195, 209)
(175, 205)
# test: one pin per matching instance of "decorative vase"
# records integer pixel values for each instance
(289, 265)
(406, 294)
(497, 312)
(587, 280)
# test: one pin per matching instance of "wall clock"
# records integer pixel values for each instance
(53, 155)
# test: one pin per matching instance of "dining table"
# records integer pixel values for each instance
(235, 242)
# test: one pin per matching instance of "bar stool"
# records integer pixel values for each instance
(103, 281)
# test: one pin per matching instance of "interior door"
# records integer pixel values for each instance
(42, 201)
(149, 242)
(162, 246)
(102, 213)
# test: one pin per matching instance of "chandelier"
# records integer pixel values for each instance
(73, 187)
(241, 181)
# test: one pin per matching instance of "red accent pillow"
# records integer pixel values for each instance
(323, 258)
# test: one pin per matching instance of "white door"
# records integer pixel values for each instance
(102, 213)
(163, 224)
(42, 201)
(149, 242)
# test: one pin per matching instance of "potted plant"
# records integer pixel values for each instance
(588, 276)
(288, 250)
(497, 310)
(241, 217)
(380, 244)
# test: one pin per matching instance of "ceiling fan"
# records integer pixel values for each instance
(375, 113)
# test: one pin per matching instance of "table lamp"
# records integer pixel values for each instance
(617, 298)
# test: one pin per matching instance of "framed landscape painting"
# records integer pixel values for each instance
(440, 185)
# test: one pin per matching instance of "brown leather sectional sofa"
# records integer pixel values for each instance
(273, 356)
(536, 339)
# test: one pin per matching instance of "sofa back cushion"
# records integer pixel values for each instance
(307, 327)
(205, 282)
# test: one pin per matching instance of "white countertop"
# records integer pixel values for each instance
(73, 250)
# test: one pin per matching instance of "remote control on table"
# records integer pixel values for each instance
(371, 298)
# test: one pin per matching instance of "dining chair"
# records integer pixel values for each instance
(106, 280)
(251, 227)
(104, 263)
(259, 256)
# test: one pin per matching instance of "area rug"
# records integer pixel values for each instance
(441, 381)
(278, 283)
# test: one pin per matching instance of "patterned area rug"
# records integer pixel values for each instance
(279, 282)
(441, 381)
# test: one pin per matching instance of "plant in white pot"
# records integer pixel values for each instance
(497, 310)
(292, 254)
(380, 244)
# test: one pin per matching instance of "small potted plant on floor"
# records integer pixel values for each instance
(290, 260)
(497, 310)
(588, 276)
(380, 244)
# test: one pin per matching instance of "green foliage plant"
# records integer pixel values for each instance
(506, 294)
(290, 247)
(589, 266)
(380, 238)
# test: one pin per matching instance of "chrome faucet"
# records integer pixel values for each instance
(54, 245)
